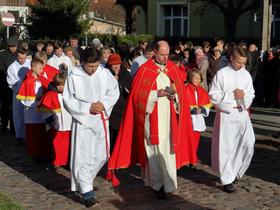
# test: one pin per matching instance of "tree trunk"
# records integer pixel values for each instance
(230, 23)
(128, 18)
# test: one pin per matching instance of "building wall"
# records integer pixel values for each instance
(246, 27)
(141, 20)
(12, 2)
(107, 10)
(201, 24)
(101, 27)
(209, 24)
(106, 17)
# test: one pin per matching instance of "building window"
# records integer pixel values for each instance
(175, 20)
(13, 3)
(276, 22)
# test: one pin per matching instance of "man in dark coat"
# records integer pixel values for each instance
(7, 57)
(77, 50)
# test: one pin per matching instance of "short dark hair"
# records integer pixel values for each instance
(91, 55)
(187, 50)
(74, 36)
(219, 40)
(21, 50)
(59, 79)
(192, 72)
(49, 43)
(58, 45)
(239, 51)
(174, 57)
(206, 44)
(150, 47)
(242, 44)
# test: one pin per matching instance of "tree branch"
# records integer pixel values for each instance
(253, 5)
(240, 4)
(218, 4)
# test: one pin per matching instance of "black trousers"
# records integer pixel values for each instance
(6, 96)
(113, 138)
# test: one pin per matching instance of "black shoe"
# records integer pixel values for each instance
(229, 188)
(19, 142)
(37, 160)
(4, 129)
(90, 202)
(235, 181)
(160, 194)
(276, 135)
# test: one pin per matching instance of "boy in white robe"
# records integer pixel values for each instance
(233, 138)
(89, 95)
(15, 75)
(59, 60)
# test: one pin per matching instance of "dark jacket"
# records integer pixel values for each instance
(214, 66)
(124, 81)
(78, 53)
(254, 64)
(6, 59)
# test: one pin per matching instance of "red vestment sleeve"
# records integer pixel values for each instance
(27, 89)
(50, 102)
(130, 146)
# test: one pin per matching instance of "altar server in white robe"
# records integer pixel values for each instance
(233, 137)
(89, 95)
(15, 75)
(59, 60)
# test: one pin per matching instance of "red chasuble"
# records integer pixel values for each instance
(202, 96)
(130, 148)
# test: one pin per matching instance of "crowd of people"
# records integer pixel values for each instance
(145, 106)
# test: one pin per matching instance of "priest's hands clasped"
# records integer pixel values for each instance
(168, 92)
(238, 94)
(96, 108)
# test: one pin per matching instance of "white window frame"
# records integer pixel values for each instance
(160, 17)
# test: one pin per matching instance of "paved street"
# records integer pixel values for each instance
(37, 186)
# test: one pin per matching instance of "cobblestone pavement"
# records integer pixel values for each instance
(37, 186)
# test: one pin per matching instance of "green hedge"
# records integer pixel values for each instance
(118, 40)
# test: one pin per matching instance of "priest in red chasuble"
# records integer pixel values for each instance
(156, 129)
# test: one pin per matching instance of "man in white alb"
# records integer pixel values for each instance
(233, 138)
(89, 95)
